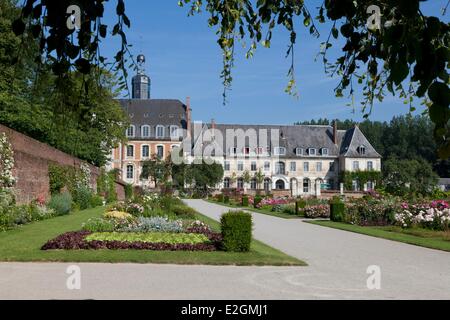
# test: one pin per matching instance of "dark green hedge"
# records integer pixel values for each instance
(337, 210)
(236, 231)
(244, 201)
(257, 201)
(299, 207)
(226, 199)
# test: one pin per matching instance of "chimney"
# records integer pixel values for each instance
(188, 116)
(335, 132)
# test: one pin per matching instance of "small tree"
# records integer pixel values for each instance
(259, 177)
(204, 176)
(246, 177)
(156, 169)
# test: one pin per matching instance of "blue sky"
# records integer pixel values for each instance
(183, 59)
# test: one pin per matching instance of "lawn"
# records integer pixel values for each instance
(281, 215)
(24, 245)
(415, 236)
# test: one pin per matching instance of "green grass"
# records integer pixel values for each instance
(419, 237)
(281, 215)
(24, 245)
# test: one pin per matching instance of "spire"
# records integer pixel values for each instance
(141, 83)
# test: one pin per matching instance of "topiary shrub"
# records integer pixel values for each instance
(220, 198)
(61, 203)
(337, 210)
(300, 206)
(244, 202)
(236, 231)
(184, 212)
(257, 201)
(226, 199)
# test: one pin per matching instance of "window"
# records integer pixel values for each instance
(240, 183)
(369, 165)
(226, 183)
(130, 151)
(267, 185)
(319, 167)
(293, 166)
(130, 132)
(355, 165)
(299, 152)
(259, 150)
(130, 172)
(362, 150)
(355, 185)
(306, 167)
(253, 184)
(145, 151)
(246, 151)
(174, 134)
(226, 166)
(312, 151)
(280, 151)
(145, 131)
(160, 152)
(267, 166)
(160, 132)
(253, 166)
(280, 185)
(233, 151)
(280, 168)
(325, 152)
(370, 185)
(240, 166)
(306, 184)
(332, 166)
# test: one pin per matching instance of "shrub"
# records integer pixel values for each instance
(184, 212)
(96, 201)
(220, 198)
(21, 214)
(244, 201)
(337, 210)
(289, 209)
(236, 231)
(82, 196)
(6, 221)
(98, 225)
(118, 215)
(317, 211)
(129, 191)
(61, 203)
(226, 199)
(39, 212)
(257, 201)
(300, 207)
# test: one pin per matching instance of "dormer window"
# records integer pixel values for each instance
(259, 150)
(174, 133)
(312, 151)
(362, 150)
(325, 152)
(160, 132)
(280, 151)
(130, 131)
(145, 131)
(299, 152)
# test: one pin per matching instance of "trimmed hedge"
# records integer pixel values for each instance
(236, 231)
(220, 198)
(300, 205)
(257, 201)
(244, 201)
(337, 211)
(226, 199)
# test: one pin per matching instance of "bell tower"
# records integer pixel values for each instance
(141, 83)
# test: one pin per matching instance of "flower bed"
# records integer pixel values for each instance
(318, 211)
(433, 215)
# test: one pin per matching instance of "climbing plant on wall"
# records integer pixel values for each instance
(7, 179)
(362, 177)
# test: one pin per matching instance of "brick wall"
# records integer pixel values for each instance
(31, 161)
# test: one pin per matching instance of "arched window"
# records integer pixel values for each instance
(130, 131)
(160, 152)
(145, 131)
(267, 184)
(130, 172)
(362, 150)
(253, 184)
(159, 131)
(306, 185)
(280, 168)
(145, 151)
(240, 183)
(226, 183)
(174, 134)
(130, 151)
(280, 185)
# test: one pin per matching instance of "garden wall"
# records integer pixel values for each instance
(31, 161)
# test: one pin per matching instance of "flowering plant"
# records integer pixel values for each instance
(7, 179)
(434, 215)
(318, 211)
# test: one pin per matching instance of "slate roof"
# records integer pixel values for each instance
(353, 139)
(290, 137)
(154, 112)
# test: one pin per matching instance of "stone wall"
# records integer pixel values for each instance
(31, 161)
